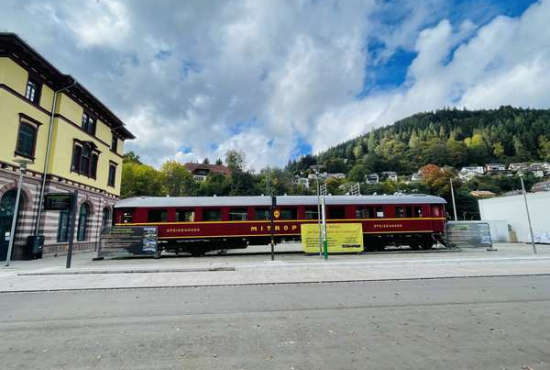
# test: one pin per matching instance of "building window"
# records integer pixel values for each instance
(88, 123)
(82, 222)
(63, 227)
(105, 217)
(85, 160)
(26, 140)
(112, 175)
(238, 214)
(114, 143)
(32, 93)
(212, 215)
(157, 215)
(185, 215)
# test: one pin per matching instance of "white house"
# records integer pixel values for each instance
(372, 178)
(390, 175)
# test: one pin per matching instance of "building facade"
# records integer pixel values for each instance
(74, 142)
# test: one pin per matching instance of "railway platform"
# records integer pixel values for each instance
(256, 268)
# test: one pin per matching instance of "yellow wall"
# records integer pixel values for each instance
(64, 133)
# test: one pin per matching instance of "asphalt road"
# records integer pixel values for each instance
(473, 323)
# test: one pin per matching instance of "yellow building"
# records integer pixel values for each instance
(73, 140)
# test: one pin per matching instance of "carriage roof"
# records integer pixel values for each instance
(283, 200)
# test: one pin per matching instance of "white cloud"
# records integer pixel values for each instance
(193, 79)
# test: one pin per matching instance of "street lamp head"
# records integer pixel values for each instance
(22, 162)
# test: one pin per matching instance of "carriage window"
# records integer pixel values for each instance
(336, 212)
(185, 215)
(212, 215)
(364, 212)
(288, 214)
(238, 214)
(262, 214)
(127, 217)
(157, 215)
(379, 212)
(417, 211)
(312, 214)
(403, 212)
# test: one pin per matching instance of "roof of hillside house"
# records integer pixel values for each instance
(218, 168)
(14, 47)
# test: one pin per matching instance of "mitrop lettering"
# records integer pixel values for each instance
(276, 228)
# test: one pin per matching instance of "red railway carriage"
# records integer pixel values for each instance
(201, 224)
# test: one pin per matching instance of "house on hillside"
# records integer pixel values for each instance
(201, 170)
(336, 175)
(495, 168)
(372, 178)
(302, 181)
(539, 169)
(518, 167)
(468, 173)
(389, 175)
(417, 177)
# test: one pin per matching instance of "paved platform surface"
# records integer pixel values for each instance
(451, 324)
(255, 267)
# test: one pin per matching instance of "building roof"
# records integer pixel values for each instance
(281, 200)
(11, 45)
(219, 168)
(482, 193)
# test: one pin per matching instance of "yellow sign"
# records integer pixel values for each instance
(342, 238)
(276, 213)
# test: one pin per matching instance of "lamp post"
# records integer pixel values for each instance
(22, 168)
(453, 196)
(528, 215)
(316, 168)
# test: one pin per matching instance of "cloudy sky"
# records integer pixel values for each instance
(282, 78)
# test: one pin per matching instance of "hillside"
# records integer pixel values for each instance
(448, 137)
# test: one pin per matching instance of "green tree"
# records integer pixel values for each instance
(235, 160)
(177, 180)
(131, 157)
(140, 180)
(358, 151)
(544, 148)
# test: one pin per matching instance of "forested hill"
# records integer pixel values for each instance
(446, 137)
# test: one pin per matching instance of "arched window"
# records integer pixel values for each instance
(7, 208)
(106, 217)
(83, 222)
(7, 205)
(63, 227)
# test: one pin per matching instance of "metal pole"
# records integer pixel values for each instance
(72, 222)
(453, 196)
(319, 215)
(528, 215)
(15, 212)
(47, 159)
(273, 205)
(325, 241)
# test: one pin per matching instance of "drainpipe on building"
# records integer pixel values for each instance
(48, 150)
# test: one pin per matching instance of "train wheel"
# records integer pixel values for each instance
(426, 245)
(415, 246)
(197, 252)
